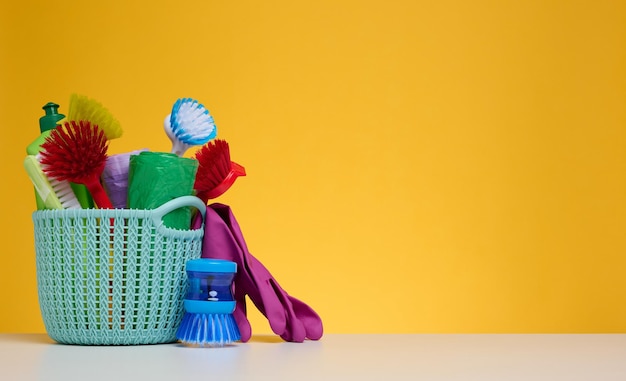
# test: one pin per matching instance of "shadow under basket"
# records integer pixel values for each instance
(113, 276)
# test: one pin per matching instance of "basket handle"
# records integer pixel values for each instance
(179, 202)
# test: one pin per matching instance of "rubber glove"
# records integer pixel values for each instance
(290, 318)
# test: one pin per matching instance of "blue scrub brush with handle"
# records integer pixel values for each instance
(189, 124)
(209, 304)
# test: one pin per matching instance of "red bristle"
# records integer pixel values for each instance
(213, 165)
(77, 152)
(74, 151)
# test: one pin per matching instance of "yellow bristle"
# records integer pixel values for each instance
(84, 108)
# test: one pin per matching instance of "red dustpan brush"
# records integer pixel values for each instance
(216, 172)
(77, 152)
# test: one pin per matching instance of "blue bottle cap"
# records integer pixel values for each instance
(210, 265)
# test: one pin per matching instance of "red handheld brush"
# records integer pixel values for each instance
(216, 172)
(77, 152)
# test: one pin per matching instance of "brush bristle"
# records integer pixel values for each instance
(65, 193)
(84, 108)
(191, 122)
(74, 151)
(63, 190)
(208, 330)
(213, 165)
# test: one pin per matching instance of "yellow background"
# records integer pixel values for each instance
(413, 166)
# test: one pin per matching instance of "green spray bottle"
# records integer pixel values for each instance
(46, 124)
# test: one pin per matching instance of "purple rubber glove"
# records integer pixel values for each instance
(290, 318)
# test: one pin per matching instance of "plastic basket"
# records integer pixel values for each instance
(113, 276)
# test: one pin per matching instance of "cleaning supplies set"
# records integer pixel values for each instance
(128, 248)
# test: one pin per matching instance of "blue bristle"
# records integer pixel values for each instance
(208, 330)
(191, 122)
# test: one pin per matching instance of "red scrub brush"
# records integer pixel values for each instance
(77, 152)
(216, 172)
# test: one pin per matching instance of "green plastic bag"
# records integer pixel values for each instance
(155, 178)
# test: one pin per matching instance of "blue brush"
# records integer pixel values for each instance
(209, 304)
(188, 125)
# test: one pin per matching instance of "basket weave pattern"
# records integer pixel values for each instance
(111, 277)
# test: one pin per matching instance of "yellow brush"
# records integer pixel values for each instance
(92, 111)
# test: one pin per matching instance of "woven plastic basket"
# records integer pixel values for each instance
(113, 276)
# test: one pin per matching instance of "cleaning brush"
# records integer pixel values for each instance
(216, 172)
(77, 152)
(86, 109)
(189, 124)
(53, 193)
(209, 304)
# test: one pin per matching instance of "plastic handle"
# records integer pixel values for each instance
(179, 202)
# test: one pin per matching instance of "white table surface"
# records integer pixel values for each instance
(334, 357)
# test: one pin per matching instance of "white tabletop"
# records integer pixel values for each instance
(334, 357)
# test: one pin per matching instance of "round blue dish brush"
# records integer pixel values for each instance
(209, 304)
(189, 124)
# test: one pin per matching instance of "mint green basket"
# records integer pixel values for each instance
(113, 276)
